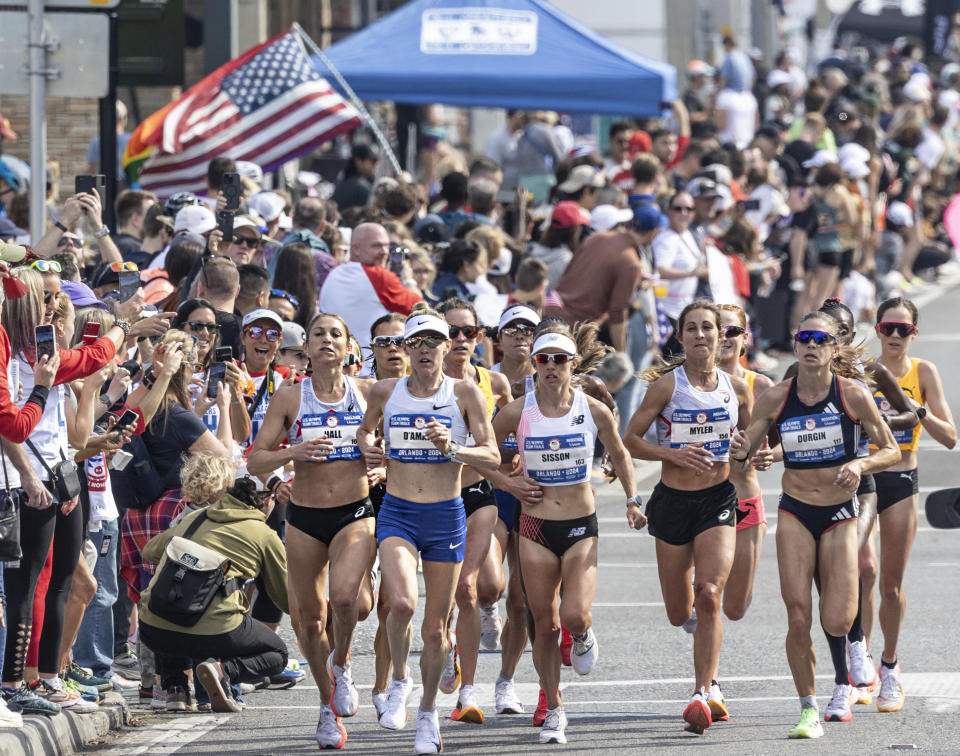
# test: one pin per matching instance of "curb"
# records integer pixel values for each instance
(64, 733)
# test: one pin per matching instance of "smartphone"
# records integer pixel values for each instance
(230, 186)
(217, 372)
(91, 332)
(129, 283)
(129, 417)
(751, 204)
(223, 354)
(225, 224)
(44, 338)
(88, 184)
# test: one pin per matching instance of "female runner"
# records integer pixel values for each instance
(330, 525)
(475, 587)
(556, 426)
(819, 415)
(898, 486)
(426, 418)
(695, 407)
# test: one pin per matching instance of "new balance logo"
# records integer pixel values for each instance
(577, 420)
(577, 532)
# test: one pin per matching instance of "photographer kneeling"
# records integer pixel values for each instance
(175, 621)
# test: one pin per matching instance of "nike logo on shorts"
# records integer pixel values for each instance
(454, 545)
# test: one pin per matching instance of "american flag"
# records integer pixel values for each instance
(268, 106)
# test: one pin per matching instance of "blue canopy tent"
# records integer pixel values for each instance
(498, 53)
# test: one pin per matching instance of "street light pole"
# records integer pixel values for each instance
(38, 118)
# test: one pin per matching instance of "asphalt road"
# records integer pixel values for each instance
(632, 700)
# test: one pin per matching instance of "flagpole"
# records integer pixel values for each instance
(353, 97)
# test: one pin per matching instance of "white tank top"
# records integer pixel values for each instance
(510, 442)
(692, 415)
(338, 421)
(406, 416)
(557, 451)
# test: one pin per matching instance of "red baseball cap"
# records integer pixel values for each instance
(568, 214)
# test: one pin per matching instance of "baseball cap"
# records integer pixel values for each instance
(854, 168)
(245, 221)
(518, 312)
(251, 170)
(262, 313)
(294, 337)
(702, 187)
(431, 229)
(568, 214)
(605, 217)
(426, 324)
(821, 158)
(198, 219)
(268, 205)
(188, 237)
(81, 295)
(581, 176)
(8, 175)
(699, 68)
(647, 217)
(555, 341)
(900, 213)
(777, 77)
(9, 229)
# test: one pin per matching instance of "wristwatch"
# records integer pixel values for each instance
(59, 225)
(123, 325)
(102, 232)
(454, 449)
(633, 500)
(921, 413)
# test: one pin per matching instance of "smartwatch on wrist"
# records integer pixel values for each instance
(59, 225)
(454, 449)
(102, 232)
(633, 500)
(921, 413)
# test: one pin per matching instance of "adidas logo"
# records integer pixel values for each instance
(831, 409)
(842, 514)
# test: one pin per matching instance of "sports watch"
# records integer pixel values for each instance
(921, 413)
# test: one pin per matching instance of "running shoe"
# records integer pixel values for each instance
(891, 695)
(330, 733)
(428, 732)
(505, 696)
(179, 699)
(838, 710)
(690, 626)
(490, 627)
(80, 675)
(54, 693)
(554, 726)
(394, 716)
(126, 664)
(809, 725)
(159, 699)
(86, 692)
(540, 713)
(379, 702)
(145, 694)
(450, 679)
(468, 710)
(697, 714)
(211, 676)
(863, 672)
(585, 652)
(122, 683)
(9, 718)
(291, 675)
(718, 708)
(28, 702)
(246, 688)
(566, 646)
(345, 700)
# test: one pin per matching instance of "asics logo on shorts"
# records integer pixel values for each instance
(359, 513)
(724, 515)
(577, 532)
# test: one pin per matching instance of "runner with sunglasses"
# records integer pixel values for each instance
(427, 418)
(556, 426)
(330, 525)
(751, 516)
(819, 415)
(695, 407)
(481, 577)
(898, 485)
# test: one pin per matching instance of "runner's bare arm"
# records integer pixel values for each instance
(906, 416)
(939, 420)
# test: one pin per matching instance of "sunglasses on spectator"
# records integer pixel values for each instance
(69, 241)
(889, 327)
(285, 295)
(47, 266)
(557, 358)
(270, 334)
(432, 342)
(385, 341)
(731, 332)
(199, 325)
(817, 337)
(519, 330)
(47, 296)
(469, 332)
(241, 240)
(681, 208)
(351, 359)
(117, 267)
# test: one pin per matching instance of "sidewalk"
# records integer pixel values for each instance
(65, 733)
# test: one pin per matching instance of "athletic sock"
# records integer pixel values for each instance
(503, 678)
(809, 702)
(889, 665)
(856, 629)
(838, 652)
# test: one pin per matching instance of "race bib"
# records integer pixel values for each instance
(338, 427)
(510, 442)
(556, 460)
(710, 426)
(408, 438)
(900, 436)
(812, 438)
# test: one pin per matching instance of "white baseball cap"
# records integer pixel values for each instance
(268, 205)
(777, 77)
(262, 313)
(555, 341)
(197, 219)
(900, 213)
(605, 217)
(518, 312)
(426, 324)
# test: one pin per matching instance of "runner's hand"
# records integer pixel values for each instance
(763, 459)
(849, 477)
(438, 434)
(636, 519)
(527, 490)
(282, 494)
(376, 476)
(373, 454)
(314, 450)
(694, 457)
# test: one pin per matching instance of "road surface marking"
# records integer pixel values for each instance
(168, 735)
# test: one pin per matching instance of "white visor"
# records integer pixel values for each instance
(426, 324)
(555, 341)
(518, 312)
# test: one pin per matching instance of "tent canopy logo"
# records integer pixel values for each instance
(478, 31)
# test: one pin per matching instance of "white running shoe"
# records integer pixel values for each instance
(585, 652)
(468, 708)
(428, 732)
(450, 679)
(122, 683)
(718, 707)
(159, 698)
(862, 671)
(690, 625)
(330, 733)
(490, 627)
(891, 695)
(838, 710)
(8, 717)
(394, 716)
(379, 702)
(345, 700)
(554, 726)
(506, 698)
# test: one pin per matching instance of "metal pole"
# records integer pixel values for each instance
(37, 72)
(108, 132)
